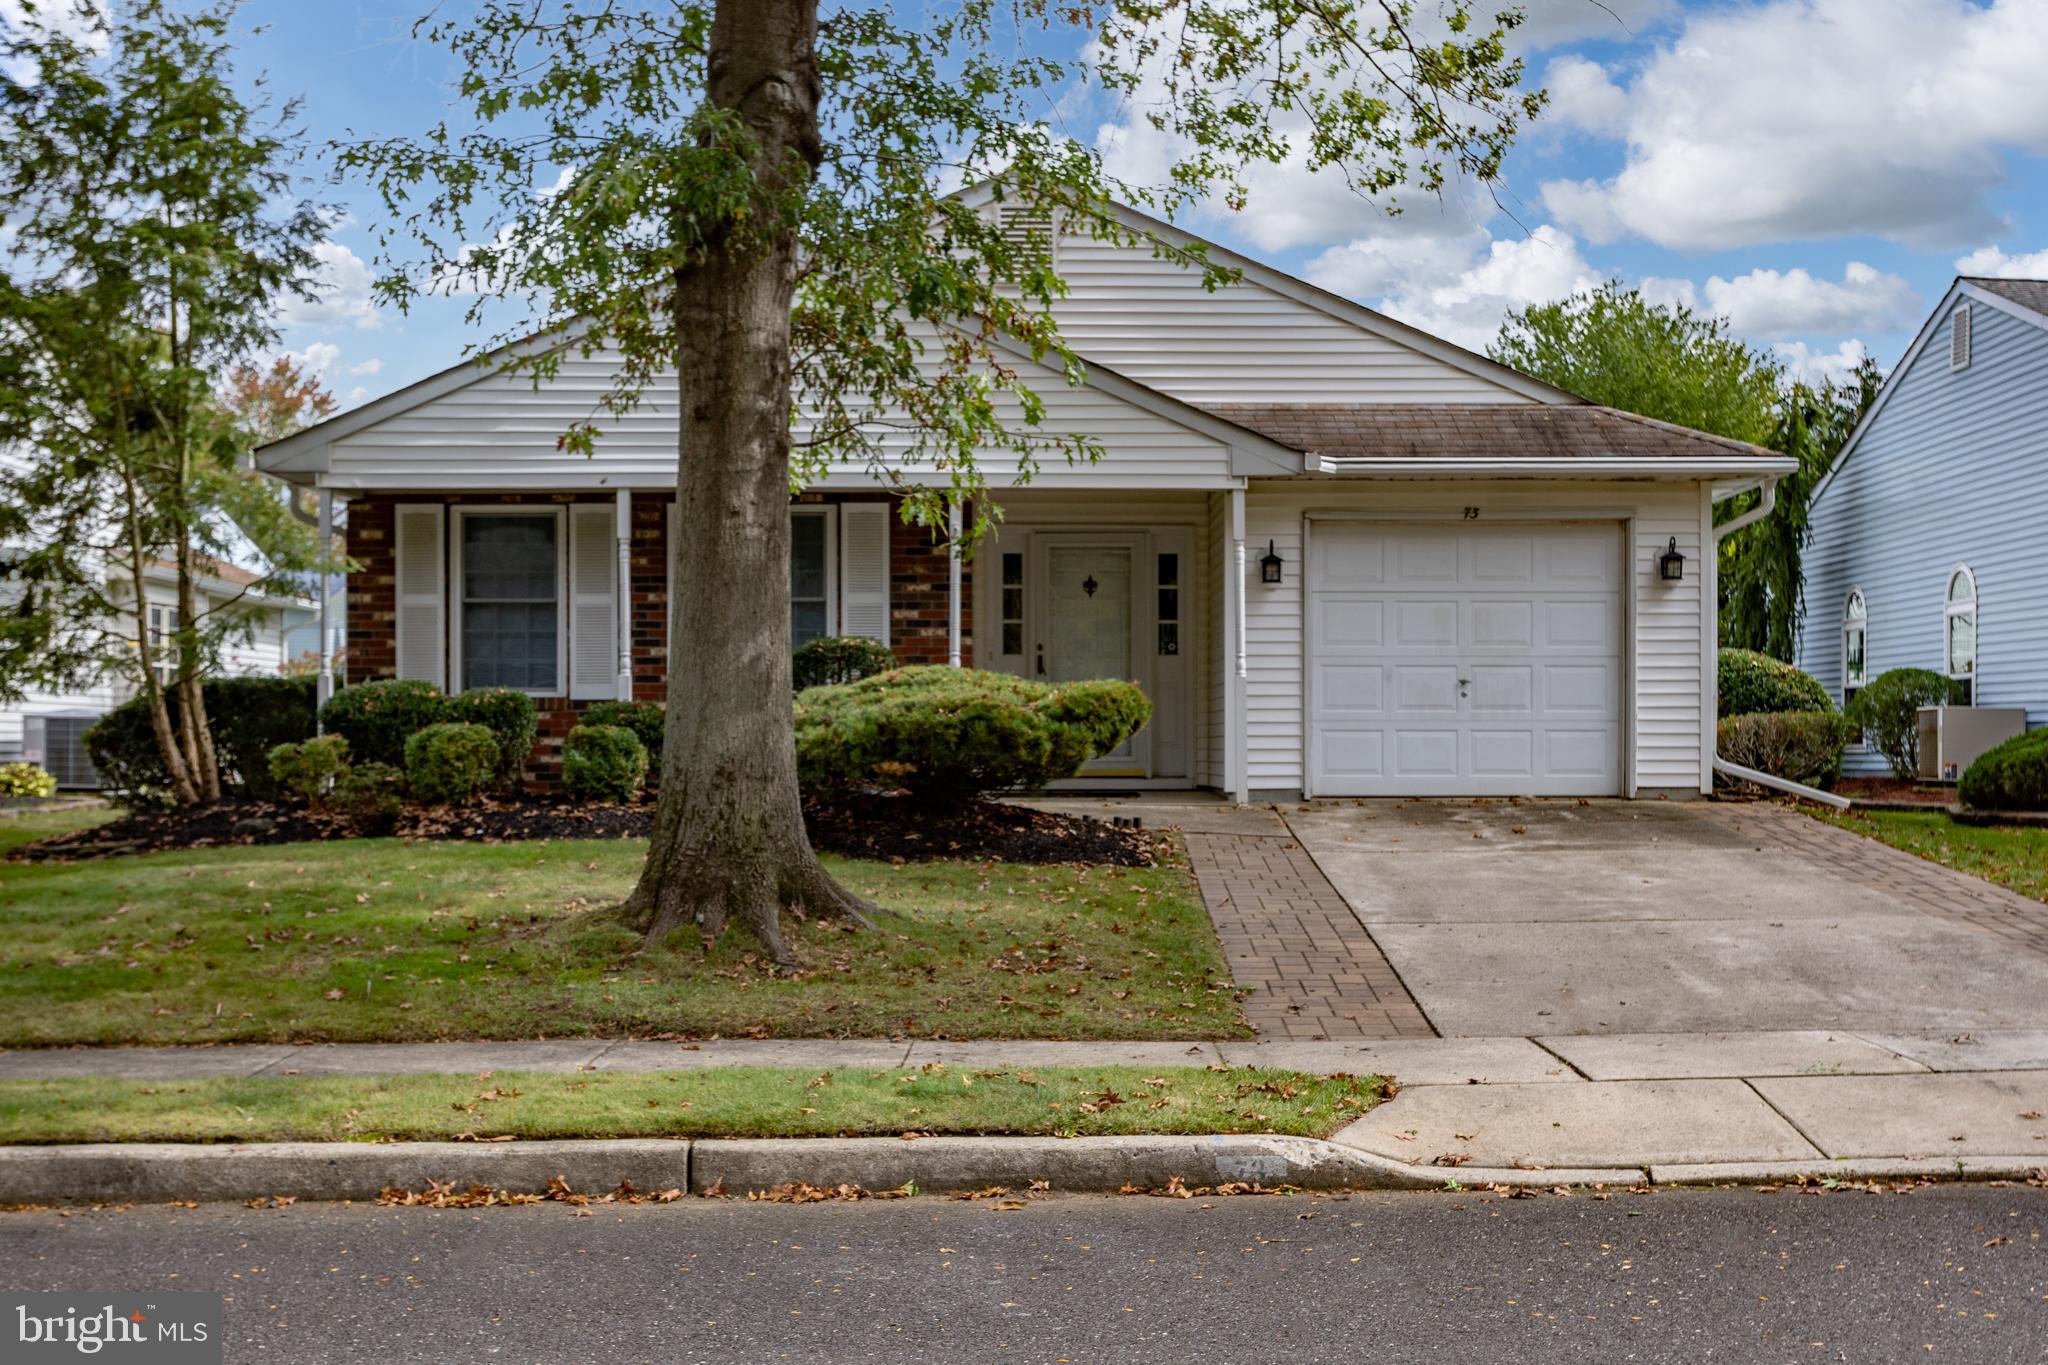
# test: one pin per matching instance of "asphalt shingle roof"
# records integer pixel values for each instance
(1534, 431)
(2031, 294)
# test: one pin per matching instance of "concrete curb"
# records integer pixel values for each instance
(157, 1172)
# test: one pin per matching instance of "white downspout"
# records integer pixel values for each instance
(1240, 755)
(1763, 508)
(325, 687)
(953, 583)
(622, 530)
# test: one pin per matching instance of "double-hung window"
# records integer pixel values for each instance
(810, 574)
(1855, 645)
(511, 598)
(1959, 634)
(163, 642)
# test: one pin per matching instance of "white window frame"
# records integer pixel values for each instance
(828, 514)
(1949, 611)
(456, 594)
(1855, 623)
(164, 624)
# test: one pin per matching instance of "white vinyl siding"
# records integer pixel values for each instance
(1664, 751)
(1954, 466)
(593, 601)
(864, 569)
(420, 622)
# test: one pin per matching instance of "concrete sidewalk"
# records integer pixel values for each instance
(1644, 1102)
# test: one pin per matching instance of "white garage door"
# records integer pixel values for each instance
(1447, 659)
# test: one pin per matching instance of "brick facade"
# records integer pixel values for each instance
(917, 598)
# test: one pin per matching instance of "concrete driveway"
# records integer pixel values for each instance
(1575, 917)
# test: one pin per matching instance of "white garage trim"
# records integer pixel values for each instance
(1620, 590)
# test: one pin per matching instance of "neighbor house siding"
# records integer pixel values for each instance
(1666, 665)
(1953, 469)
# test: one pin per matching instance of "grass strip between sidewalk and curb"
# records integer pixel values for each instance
(753, 1102)
(2012, 856)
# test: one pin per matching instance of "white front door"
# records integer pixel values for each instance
(1088, 625)
(1447, 659)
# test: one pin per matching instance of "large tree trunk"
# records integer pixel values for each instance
(729, 841)
(196, 731)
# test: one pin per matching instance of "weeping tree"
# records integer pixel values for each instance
(752, 196)
(154, 231)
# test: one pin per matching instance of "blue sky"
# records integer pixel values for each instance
(1817, 170)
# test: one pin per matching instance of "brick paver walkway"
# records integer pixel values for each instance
(1288, 933)
(1928, 886)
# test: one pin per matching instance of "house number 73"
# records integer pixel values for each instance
(1471, 514)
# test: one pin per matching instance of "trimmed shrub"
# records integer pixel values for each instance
(380, 718)
(1887, 715)
(249, 718)
(952, 733)
(25, 779)
(603, 763)
(1753, 684)
(2012, 776)
(1802, 746)
(450, 762)
(839, 659)
(371, 795)
(647, 720)
(308, 769)
(510, 716)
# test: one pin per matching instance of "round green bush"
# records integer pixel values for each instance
(603, 763)
(450, 762)
(1887, 715)
(954, 733)
(648, 720)
(839, 659)
(2011, 776)
(25, 780)
(248, 716)
(1800, 746)
(380, 718)
(308, 769)
(510, 716)
(371, 795)
(1753, 684)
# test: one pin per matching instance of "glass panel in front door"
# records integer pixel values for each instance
(1088, 615)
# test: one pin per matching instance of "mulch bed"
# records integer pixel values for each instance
(1891, 789)
(878, 826)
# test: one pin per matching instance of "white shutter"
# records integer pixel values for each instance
(422, 603)
(593, 602)
(864, 570)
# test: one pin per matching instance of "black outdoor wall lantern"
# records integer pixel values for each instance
(1269, 565)
(1671, 564)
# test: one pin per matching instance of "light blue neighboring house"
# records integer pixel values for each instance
(1930, 536)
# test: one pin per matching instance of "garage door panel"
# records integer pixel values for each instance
(1530, 618)
(1347, 623)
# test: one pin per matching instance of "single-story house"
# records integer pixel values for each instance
(48, 728)
(1927, 529)
(1343, 556)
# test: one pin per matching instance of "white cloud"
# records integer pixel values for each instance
(1991, 260)
(1468, 307)
(342, 293)
(1810, 118)
(1551, 23)
(1582, 96)
(1817, 367)
(1769, 304)
(318, 358)
(374, 365)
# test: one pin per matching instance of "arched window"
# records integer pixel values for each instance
(1855, 645)
(1959, 620)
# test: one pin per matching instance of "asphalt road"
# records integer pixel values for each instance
(1957, 1273)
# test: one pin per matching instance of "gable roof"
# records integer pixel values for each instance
(1490, 437)
(2023, 299)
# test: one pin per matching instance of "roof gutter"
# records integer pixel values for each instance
(1759, 467)
(1726, 767)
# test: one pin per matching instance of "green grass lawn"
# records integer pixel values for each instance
(381, 940)
(2012, 856)
(718, 1102)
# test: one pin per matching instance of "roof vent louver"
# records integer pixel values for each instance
(1959, 337)
(1021, 224)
